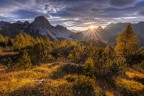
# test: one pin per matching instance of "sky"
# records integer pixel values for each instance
(74, 14)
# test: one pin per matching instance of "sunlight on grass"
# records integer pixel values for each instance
(13, 84)
(108, 93)
(135, 74)
(2, 68)
(129, 85)
(12, 81)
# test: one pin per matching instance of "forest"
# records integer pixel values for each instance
(39, 66)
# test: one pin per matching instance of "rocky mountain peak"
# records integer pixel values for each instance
(60, 27)
(3, 23)
(26, 23)
(41, 21)
(99, 28)
(19, 22)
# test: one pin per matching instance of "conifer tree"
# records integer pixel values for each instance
(89, 67)
(24, 62)
(2, 39)
(127, 42)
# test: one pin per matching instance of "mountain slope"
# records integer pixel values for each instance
(41, 27)
(89, 34)
(110, 33)
(12, 29)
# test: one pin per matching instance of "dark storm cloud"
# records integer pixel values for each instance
(22, 14)
(141, 12)
(96, 8)
(121, 3)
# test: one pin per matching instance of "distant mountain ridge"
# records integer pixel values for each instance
(111, 32)
(88, 34)
(39, 27)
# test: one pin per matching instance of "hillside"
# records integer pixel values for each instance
(59, 79)
(43, 67)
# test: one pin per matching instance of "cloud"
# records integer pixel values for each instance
(141, 13)
(21, 14)
(121, 3)
(73, 12)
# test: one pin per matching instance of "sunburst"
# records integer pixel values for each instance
(92, 27)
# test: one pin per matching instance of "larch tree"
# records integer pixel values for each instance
(127, 42)
(89, 67)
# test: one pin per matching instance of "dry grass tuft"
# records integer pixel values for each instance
(19, 82)
(108, 93)
(135, 74)
(129, 85)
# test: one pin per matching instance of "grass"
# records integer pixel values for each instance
(129, 86)
(57, 79)
(37, 79)
(135, 74)
(2, 68)
(108, 93)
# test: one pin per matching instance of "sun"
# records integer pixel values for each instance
(92, 27)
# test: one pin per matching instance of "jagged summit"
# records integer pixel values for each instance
(26, 23)
(41, 27)
(19, 22)
(99, 28)
(41, 20)
(61, 27)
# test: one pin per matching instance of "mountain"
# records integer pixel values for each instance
(109, 33)
(4, 24)
(42, 27)
(39, 27)
(90, 34)
(62, 32)
(91, 37)
(92, 42)
(12, 29)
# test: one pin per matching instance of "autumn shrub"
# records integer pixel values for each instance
(134, 74)
(23, 62)
(89, 67)
(0, 50)
(72, 68)
(86, 86)
(129, 87)
(71, 78)
(135, 58)
(110, 69)
(40, 53)
(108, 93)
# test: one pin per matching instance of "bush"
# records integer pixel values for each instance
(23, 62)
(40, 53)
(129, 87)
(135, 58)
(72, 69)
(89, 67)
(110, 69)
(85, 86)
(71, 78)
